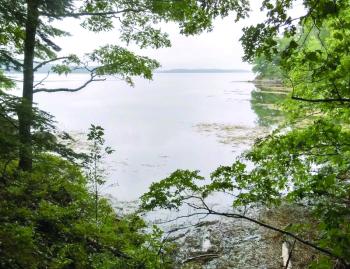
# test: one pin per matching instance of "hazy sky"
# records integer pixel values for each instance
(217, 49)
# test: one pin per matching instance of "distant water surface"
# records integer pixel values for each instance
(177, 121)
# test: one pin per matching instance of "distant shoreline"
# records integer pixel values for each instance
(203, 71)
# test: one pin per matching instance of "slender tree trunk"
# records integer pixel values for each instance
(96, 184)
(25, 112)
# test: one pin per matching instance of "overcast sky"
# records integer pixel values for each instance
(217, 49)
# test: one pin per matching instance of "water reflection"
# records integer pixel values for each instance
(266, 102)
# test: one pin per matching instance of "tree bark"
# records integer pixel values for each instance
(25, 113)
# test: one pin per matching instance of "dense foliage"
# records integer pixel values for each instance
(48, 221)
(268, 67)
(267, 70)
(49, 217)
(305, 161)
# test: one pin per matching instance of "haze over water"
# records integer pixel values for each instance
(177, 121)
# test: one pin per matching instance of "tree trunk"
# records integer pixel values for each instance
(25, 113)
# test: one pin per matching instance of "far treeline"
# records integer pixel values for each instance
(52, 214)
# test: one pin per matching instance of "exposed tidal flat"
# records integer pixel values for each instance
(177, 121)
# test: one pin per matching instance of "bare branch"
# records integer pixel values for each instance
(41, 81)
(181, 217)
(92, 79)
(80, 14)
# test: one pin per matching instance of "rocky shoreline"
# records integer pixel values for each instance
(239, 244)
(227, 243)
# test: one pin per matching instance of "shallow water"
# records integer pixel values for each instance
(157, 126)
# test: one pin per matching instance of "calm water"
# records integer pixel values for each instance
(176, 121)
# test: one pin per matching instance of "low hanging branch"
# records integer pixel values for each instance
(80, 14)
(92, 79)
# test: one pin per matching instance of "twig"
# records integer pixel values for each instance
(41, 81)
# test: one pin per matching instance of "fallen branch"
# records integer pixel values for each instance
(205, 256)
